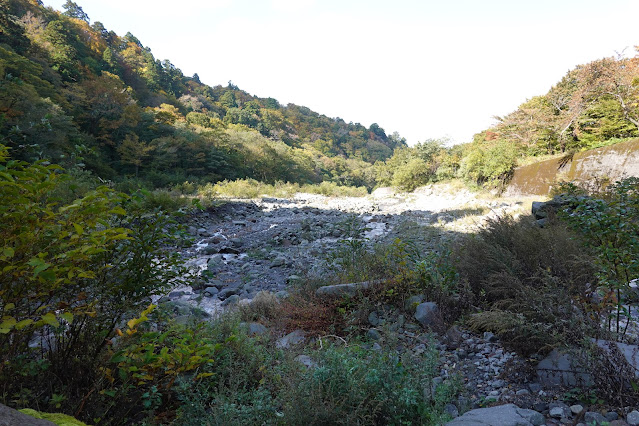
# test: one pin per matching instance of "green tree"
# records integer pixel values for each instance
(133, 151)
(74, 11)
(228, 100)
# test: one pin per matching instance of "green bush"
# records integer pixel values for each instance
(529, 281)
(251, 188)
(69, 273)
(609, 222)
(415, 173)
(352, 385)
(491, 165)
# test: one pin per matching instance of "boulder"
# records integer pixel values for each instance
(211, 291)
(633, 418)
(562, 369)
(229, 250)
(306, 361)
(227, 292)
(595, 419)
(427, 314)
(231, 300)
(11, 417)
(629, 354)
(257, 329)
(291, 339)
(502, 415)
(350, 289)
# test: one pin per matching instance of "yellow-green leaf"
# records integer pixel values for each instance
(8, 252)
(78, 229)
(7, 324)
(68, 317)
(9, 306)
(24, 323)
(51, 320)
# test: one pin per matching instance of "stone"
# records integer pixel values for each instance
(257, 329)
(282, 294)
(451, 410)
(293, 279)
(556, 412)
(306, 361)
(291, 339)
(453, 337)
(502, 415)
(373, 334)
(11, 417)
(611, 416)
(229, 250)
(593, 418)
(373, 319)
(350, 289)
(576, 409)
(412, 302)
(214, 262)
(231, 300)
(489, 337)
(210, 249)
(633, 418)
(521, 392)
(427, 314)
(227, 292)
(537, 210)
(278, 262)
(630, 355)
(554, 407)
(176, 294)
(534, 387)
(562, 369)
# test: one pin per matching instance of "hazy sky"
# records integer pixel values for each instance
(424, 68)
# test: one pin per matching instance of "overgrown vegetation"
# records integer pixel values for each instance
(71, 271)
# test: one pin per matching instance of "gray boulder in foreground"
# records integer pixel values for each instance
(11, 417)
(562, 369)
(427, 314)
(502, 415)
(346, 289)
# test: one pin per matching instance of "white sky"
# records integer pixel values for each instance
(424, 68)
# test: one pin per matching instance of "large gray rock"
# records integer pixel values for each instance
(214, 263)
(562, 369)
(257, 329)
(630, 354)
(11, 417)
(291, 339)
(228, 292)
(427, 314)
(350, 289)
(502, 415)
(633, 418)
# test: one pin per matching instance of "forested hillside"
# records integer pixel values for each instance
(593, 105)
(75, 93)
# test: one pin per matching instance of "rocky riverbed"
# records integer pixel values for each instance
(243, 247)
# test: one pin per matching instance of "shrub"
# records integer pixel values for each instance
(352, 385)
(609, 223)
(141, 373)
(530, 281)
(492, 165)
(69, 273)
